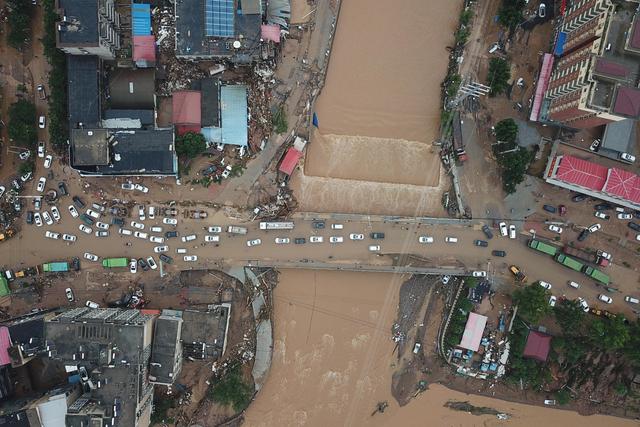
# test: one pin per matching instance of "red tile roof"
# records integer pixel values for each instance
(610, 68)
(186, 108)
(537, 346)
(5, 343)
(473, 331)
(144, 48)
(634, 40)
(290, 161)
(573, 170)
(627, 102)
(623, 184)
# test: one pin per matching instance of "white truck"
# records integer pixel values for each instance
(235, 229)
(276, 225)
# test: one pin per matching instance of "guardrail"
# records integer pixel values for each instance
(310, 216)
(316, 265)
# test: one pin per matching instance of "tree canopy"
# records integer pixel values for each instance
(569, 315)
(20, 22)
(609, 334)
(506, 130)
(190, 145)
(498, 76)
(22, 123)
(514, 165)
(510, 13)
(232, 390)
(533, 302)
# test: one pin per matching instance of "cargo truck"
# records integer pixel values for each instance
(586, 256)
(55, 267)
(276, 225)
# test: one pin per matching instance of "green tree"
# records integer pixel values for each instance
(498, 76)
(563, 397)
(279, 121)
(232, 390)
(570, 316)
(510, 13)
(20, 22)
(190, 145)
(533, 302)
(22, 123)
(465, 17)
(25, 168)
(632, 349)
(514, 165)
(506, 130)
(453, 84)
(609, 334)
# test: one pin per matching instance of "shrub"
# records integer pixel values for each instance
(190, 145)
(498, 76)
(279, 121)
(231, 390)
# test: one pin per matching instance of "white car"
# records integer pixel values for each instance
(638, 237)
(140, 235)
(141, 213)
(425, 239)
(102, 233)
(336, 239)
(504, 231)
(161, 249)
(41, 183)
(69, 293)
(69, 237)
(190, 258)
(151, 212)
(47, 161)
(555, 229)
(156, 239)
(127, 186)
(601, 215)
(37, 219)
(512, 231)
(583, 304)
(92, 304)
(374, 248)
(316, 239)
(40, 149)
(214, 229)
(189, 238)
(93, 214)
(55, 213)
(152, 263)
(73, 211)
(603, 254)
(605, 299)
(544, 284)
(85, 229)
(133, 266)
(47, 218)
(2, 190)
(624, 216)
(356, 236)
(254, 242)
(51, 235)
(282, 240)
(140, 187)
(552, 300)
(137, 225)
(628, 157)
(90, 256)
(156, 229)
(445, 279)
(479, 273)
(125, 231)
(102, 225)
(211, 238)
(594, 228)
(170, 221)
(41, 122)
(574, 285)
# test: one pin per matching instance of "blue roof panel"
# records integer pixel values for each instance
(141, 19)
(233, 106)
(219, 18)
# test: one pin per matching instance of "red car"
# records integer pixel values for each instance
(562, 209)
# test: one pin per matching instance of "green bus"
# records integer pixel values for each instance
(543, 247)
(573, 264)
(115, 262)
(596, 275)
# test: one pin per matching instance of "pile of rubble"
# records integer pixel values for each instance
(280, 206)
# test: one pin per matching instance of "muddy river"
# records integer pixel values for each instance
(333, 360)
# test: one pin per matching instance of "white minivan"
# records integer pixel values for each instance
(632, 300)
(450, 239)
(337, 226)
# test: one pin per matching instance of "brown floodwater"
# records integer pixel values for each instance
(333, 360)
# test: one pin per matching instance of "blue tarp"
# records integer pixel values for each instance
(234, 117)
(315, 120)
(562, 37)
(141, 19)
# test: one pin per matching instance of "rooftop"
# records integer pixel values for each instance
(165, 350)
(204, 327)
(83, 90)
(89, 147)
(234, 115)
(618, 135)
(473, 331)
(210, 100)
(537, 346)
(81, 26)
(627, 102)
(132, 88)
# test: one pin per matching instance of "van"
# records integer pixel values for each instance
(125, 232)
(494, 47)
(374, 248)
(156, 229)
(574, 284)
(632, 300)
(337, 226)
(9, 275)
(549, 208)
(450, 239)
(181, 250)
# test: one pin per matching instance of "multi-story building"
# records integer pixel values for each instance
(88, 27)
(595, 78)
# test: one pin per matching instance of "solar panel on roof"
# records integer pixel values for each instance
(219, 18)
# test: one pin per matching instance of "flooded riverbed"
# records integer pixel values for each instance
(333, 361)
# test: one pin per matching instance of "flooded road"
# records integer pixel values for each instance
(379, 110)
(333, 360)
